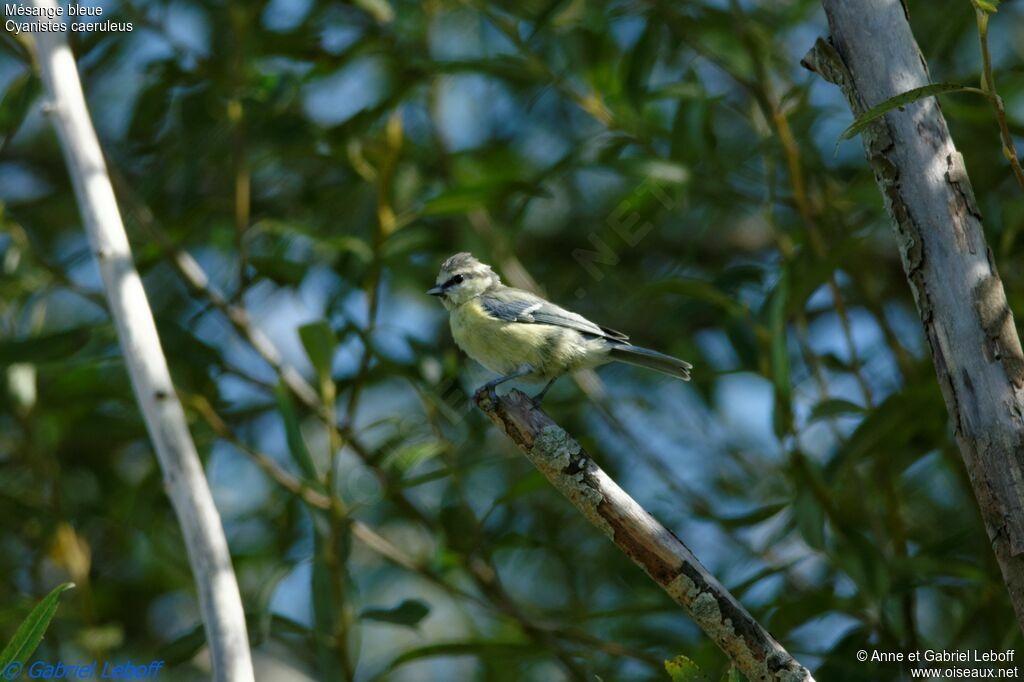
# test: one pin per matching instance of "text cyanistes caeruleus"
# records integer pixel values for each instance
(520, 335)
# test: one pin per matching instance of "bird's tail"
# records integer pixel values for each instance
(652, 359)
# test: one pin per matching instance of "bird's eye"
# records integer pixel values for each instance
(458, 279)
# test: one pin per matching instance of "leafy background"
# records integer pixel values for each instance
(665, 168)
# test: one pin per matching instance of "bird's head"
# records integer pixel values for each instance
(462, 278)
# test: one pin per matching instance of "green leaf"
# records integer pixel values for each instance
(44, 347)
(699, 290)
(640, 62)
(987, 6)
(152, 106)
(262, 617)
(14, 48)
(532, 482)
(860, 557)
(693, 130)
(810, 518)
(544, 16)
(683, 669)
(834, 407)
(183, 648)
(680, 90)
(319, 341)
(459, 200)
(744, 339)
(752, 517)
(293, 434)
(657, 170)
(808, 271)
(405, 458)
(504, 650)
(466, 198)
(906, 424)
(740, 588)
(399, 246)
(732, 675)
(518, 540)
(409, 613)
(17, 101)
(380, 10)
(780, 355)
(348, 244)
(279, 270)
(325, 614)
(901, 100)
(30, 633)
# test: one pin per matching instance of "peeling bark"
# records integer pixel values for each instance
(872, 56)
(643, 539)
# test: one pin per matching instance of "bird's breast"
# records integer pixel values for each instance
(493, 343)
(503, 346)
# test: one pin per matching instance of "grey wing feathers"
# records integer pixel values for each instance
(516, 305)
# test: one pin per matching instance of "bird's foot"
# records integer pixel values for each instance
(491, 385)
(539, 398)
(489, 389)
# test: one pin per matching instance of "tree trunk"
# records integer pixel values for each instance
(649, 544)
(872, 56)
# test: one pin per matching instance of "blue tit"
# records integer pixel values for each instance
(517, 334)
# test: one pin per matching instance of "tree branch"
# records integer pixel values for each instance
(872, 56)
(219, 598)
(639, 535)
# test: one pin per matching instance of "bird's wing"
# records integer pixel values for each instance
(516, 305)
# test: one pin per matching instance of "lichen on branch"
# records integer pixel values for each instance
(662, 555)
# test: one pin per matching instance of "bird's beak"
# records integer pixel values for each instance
(436, 291)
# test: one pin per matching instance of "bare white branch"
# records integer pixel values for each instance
(186, 484)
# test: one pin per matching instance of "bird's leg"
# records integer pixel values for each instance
(539, 398)
(490, 385)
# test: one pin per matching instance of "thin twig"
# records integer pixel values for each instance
(279, 475)
(1009, 150)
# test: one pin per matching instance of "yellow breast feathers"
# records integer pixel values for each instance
(503, 346)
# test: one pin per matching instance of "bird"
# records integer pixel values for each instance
(519, 335)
